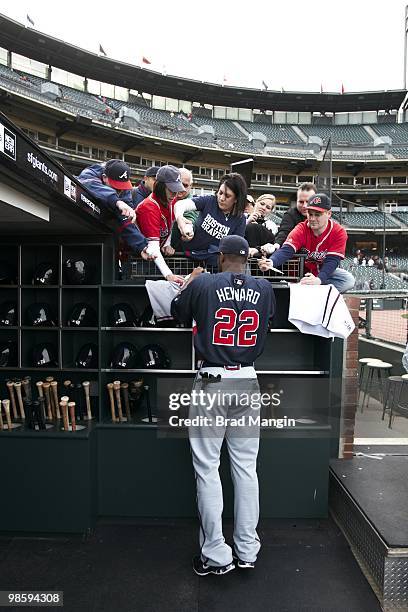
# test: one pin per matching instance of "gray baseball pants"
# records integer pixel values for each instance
(242, 444)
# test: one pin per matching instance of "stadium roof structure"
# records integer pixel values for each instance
(30, 43)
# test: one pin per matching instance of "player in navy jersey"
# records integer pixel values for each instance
(232, 311)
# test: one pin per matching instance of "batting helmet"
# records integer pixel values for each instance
(87, 356)
(8, 354)
(40, 315)
(154, 356)
(45, 274)
(124, 356)
(77, 272)
(8, 313)
(82, 315)
(147, 318)
(44, 355)
(8, 274)
(122, 315)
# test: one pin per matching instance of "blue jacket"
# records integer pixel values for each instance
(91, 178)
(139, 194)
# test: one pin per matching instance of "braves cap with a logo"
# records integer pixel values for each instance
(170, 175)
(319, 201)
(152, 171)
(234, 245)
(118, 174)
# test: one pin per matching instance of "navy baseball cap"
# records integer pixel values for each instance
(319, 201)
(152, 171)
(170, 175)
(234, 245)
(118, 174)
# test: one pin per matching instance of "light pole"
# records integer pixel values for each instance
(405, 47)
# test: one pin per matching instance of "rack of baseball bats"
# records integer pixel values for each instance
(68, 405)
(46, 404)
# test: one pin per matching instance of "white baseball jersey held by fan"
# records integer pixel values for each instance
(161, 294)
(319, 310)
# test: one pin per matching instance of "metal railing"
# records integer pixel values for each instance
(136, 268)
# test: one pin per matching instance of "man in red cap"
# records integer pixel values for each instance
(324, 240)
(110, 184)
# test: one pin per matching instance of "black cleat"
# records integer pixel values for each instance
(242, 564)
(202, 569)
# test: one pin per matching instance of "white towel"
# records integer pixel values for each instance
(319, 310)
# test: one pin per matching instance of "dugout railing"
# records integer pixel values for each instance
(136, 267)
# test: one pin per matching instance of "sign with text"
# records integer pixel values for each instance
(33, 163)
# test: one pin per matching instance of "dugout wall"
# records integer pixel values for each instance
(56, 479)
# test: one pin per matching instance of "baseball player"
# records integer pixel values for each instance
(231, 311)
(325, 244)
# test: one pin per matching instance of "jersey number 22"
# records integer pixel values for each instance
(224, 330)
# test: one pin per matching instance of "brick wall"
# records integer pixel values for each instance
(350, 383)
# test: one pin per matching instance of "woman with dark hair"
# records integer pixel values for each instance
(155, 216)
(219, 215)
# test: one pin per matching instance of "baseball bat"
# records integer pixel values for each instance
(10, 387)
(40, 412)
(116, 388)
(71, 406)
(39, 385)
(78, 391)
(6, 406)
(29, 413)
(112, 402)
(27, 388)
(148, 406)
(85, 385)
(54, 389)
(46, 389)
(125, 390)
(17, 386)
(49, 380)
(64, 412)
(138, 384)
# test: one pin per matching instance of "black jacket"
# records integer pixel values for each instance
(289, 220)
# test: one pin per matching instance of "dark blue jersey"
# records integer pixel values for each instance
(212, 225)
(232, 312)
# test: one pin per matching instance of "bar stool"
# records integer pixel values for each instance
(392, 394)
(363, 370)
(396, 404)
(382, 369)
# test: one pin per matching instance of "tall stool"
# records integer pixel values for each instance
(392, 394)
(380, 369)
(396, 403)
(362, 371)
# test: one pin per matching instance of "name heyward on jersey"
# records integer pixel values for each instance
(239, 295)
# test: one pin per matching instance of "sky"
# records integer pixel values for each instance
(297, 45)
